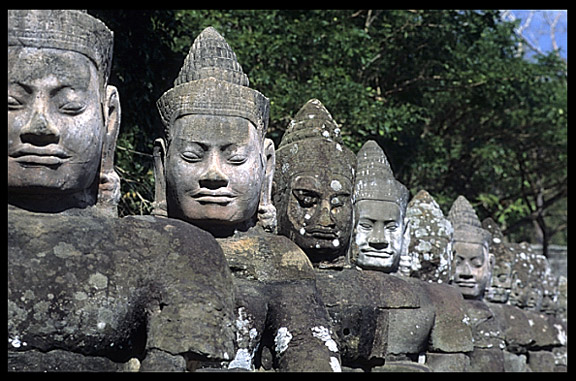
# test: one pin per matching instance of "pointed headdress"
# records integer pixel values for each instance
(212, 82)
(63, 29)
(312, 142)
(374, 178)
(313, 139)
(467, 226)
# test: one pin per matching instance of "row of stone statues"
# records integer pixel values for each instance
(303, 257)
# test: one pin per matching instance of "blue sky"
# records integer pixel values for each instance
(538, 31)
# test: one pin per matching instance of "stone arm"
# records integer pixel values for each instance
(301, 328)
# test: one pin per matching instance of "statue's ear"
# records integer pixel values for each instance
(405, 266)
(160, 208)
(109, 185)
(266, 209)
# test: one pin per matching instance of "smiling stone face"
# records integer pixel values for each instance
(214, 170)
(472, 268)
(55, 121)
(473, 262)
(379, 235)
(214, 166)
(63, 117)
(380, 208)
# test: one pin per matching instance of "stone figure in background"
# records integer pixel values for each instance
(514, 323)
(87, 291)
(535, 340)
(473, 261)
(63, 116)
(561, 355)
(380, 227)
(313, 185)
(528, 294)
(380, 319)
(436, 331)
(472, 271)
(430, 245)
(498, 291)
(214, 169)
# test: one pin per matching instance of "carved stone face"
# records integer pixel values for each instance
(55, 121)
(472, 268)
(319, 211)
(214, 170)
(379, 235)
(528, 286)
(501, 284)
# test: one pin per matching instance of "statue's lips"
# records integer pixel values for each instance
(40, 156)
(466, 284)
(322, 233)
(378, 253)
(208, 197)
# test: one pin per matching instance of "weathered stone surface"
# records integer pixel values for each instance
(541, 361)
(360, 311)
(448, 362)
(430, 246)
(117, 287)
(279, 309)
(451, 332)
(488, 335)
(487, 360)
(313, 184)
(516, 327)
(515, 363)
(60, 361)
(402, 367)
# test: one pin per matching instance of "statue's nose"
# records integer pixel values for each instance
(39, 131)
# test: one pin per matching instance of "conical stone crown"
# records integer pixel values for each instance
(211, 82)
(467, 225)
(462, 213)
(211, 56)
(312, 121)
(375, 179)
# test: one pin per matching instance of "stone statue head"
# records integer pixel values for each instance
(430, 247)
(473, 262)
(313, 184)
(380, 226)
(214, 166)
(63, 118)
(498, 291)
(529, 269)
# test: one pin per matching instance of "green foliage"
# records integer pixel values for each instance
(446, 93)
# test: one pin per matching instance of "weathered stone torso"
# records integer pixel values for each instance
(116, 288)
(282, 319)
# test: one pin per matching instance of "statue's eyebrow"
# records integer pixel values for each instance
(29, 89)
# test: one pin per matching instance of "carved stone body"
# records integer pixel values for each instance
(215, 170)
(153, 289)
(284, 324)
